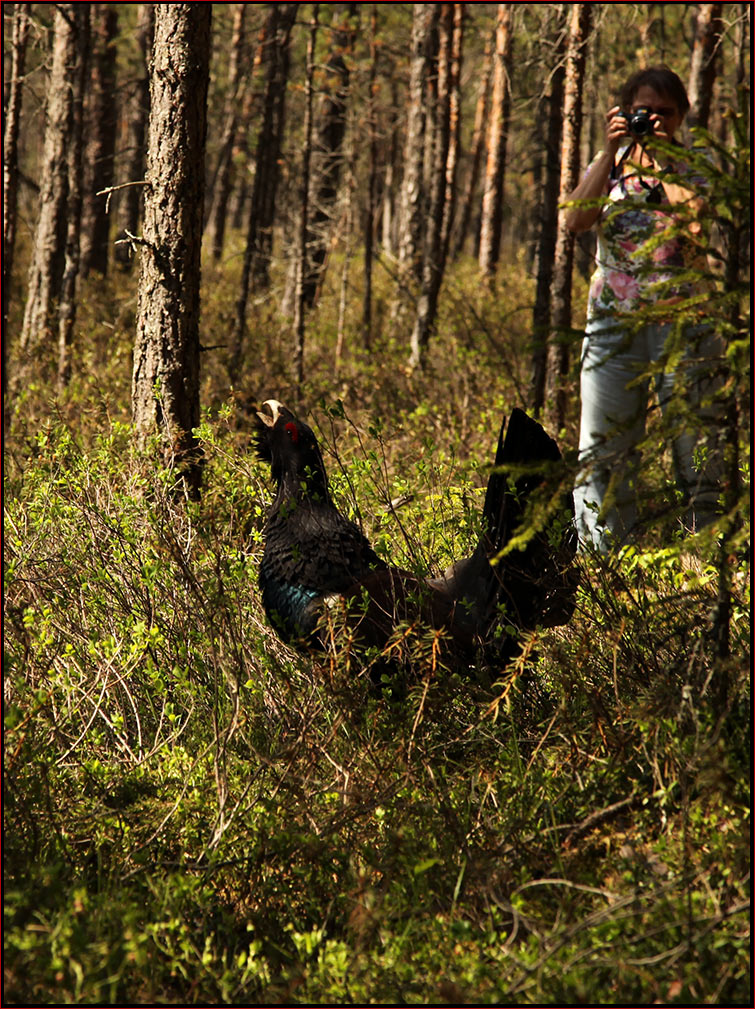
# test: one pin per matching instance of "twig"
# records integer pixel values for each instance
(114, 189)
(598, 817)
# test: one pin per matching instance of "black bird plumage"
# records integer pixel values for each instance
(314, 556)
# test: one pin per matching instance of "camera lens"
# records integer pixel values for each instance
(640, 123)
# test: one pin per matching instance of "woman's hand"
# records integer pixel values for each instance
(661, 158)
(659, 129)
(617, 129)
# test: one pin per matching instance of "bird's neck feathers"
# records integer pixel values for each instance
(303, 482)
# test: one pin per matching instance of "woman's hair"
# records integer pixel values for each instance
(660, 79)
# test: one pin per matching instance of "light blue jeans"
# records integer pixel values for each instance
(614, 408)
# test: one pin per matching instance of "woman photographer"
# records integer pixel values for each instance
(646, 218)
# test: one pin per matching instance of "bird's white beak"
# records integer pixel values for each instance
(274, 407)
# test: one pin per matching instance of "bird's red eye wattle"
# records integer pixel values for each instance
(293, 432)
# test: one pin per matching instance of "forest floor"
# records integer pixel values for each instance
(194, 813)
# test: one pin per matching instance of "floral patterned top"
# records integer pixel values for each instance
(631, 256)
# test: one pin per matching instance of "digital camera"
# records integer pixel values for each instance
(639, 122)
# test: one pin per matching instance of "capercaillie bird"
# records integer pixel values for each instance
(314, 558)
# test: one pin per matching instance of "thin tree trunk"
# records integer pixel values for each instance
(645, 28)
(703, 63)
(131, 199)
(224, 176)
(388, 238)
(47, 261)
(165, 387)
(433, 263)
(741, 71)
(250, 104)
(259, 237)
(369, 223)
(454, 131)
(301, 266)
(478, 146)
(267, 159)
(101, 119)
(67, 309)
(548, 201)
(10, 152)
(498, 126)
(348, 227)
(662, 32)
(329, 127)
(580, 19)
(412, 208)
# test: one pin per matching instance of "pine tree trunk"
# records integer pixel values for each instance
(131, 199)
(412, 209)
(703, 63)
(454, 129)
(479, 130)
(347, 224)
(224, 176)
(645, 27)
(259, 237)
(48, 253)
(10, 152)
(67, 309)
(301, 264)
(165, 387)
(101, 119)
(548, 215)
(433, 262)
(388, 221)
(329, 128)
(580, 19)
(267, 155)
(251, 107)
(491, 224)
(369, 223)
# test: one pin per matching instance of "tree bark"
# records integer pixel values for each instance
(498, 127)
(454, 126)
(433, 260)
(346, 225)
(101, 119)
(47, 260)
(165, 386)
(131, 199)
(548, 203)
(329, 127)
(67, 309)
(412, 209)
(301, 265)
(267, 154)
(703, 64)
(251, 106)
(388, 217)
(580, 20)
(224, 177)
(369, 222)
(477, 148)
(10, 151)
(259, 237)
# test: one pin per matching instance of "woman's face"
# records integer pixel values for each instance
(660, 105)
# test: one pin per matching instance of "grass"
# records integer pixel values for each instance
(194, 813)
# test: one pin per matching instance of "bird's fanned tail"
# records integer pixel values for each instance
(523, 561)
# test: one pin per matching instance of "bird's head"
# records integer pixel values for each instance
(290, 447)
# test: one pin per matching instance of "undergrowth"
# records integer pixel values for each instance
(194, 813)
